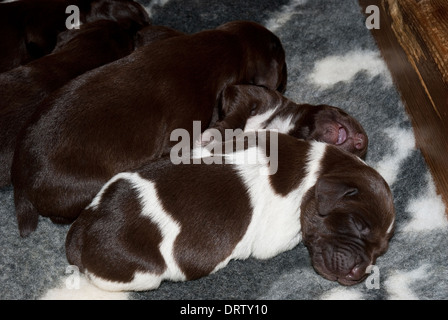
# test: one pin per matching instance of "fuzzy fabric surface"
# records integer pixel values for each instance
(332, 59)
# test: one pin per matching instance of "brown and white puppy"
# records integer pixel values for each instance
(183, 222)
(248, 107)
(29, 28)
(121, 115)
(23, 88)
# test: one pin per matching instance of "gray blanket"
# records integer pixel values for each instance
(332, 59)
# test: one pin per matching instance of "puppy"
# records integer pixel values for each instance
(95, 44)
(78, 51)
(183, 222)
(30, 27)
(121, 115)
(249, 107)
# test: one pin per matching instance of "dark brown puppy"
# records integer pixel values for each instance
(29, 28)
(249, 107)
(182, 222)
(121, 115)
(94, 44)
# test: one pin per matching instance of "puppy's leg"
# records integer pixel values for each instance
(26, 213)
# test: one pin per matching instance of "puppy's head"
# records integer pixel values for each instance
(347, 220)
(262, 108)
(333, 125)
(265, 60)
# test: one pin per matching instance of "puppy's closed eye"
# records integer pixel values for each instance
(351, 192)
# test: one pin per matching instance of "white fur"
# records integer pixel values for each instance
(255, 122)
(274, 227)
(96, 201)
(389, 229)
(169, 228)
(283, 125)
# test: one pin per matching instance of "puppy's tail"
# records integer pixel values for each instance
(26, 213)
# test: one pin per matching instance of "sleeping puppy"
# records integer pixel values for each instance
(94, 44)
(183, 222)
(249, 107)
(30, 27)
(78, 51)
(121, 115)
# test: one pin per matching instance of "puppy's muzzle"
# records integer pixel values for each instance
(342, 260)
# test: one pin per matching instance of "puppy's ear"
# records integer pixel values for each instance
(329, 191)
(232, 98)
(269, 70)
(284, 79)
(265, 73)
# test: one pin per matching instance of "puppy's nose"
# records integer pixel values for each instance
(360, 141)
(357, 272)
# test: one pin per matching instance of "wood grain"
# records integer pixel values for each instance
(413, 39)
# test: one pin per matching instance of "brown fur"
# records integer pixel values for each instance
(121, 115)
(344, 217)
(29, 28)
(308, 122)
(23, 88)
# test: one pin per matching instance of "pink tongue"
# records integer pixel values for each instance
(342, 136)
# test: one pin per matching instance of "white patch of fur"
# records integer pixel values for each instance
(389, 229)
(255, 122)
(170, 229)
(398, 284)
(99, 196)
(85, 291)
(333, 69)
(275, 225)
(285, 14)
(404, 144)
(153, 209)
(283, 125)
(427, 211)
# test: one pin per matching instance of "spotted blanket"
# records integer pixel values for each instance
(332, 59)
